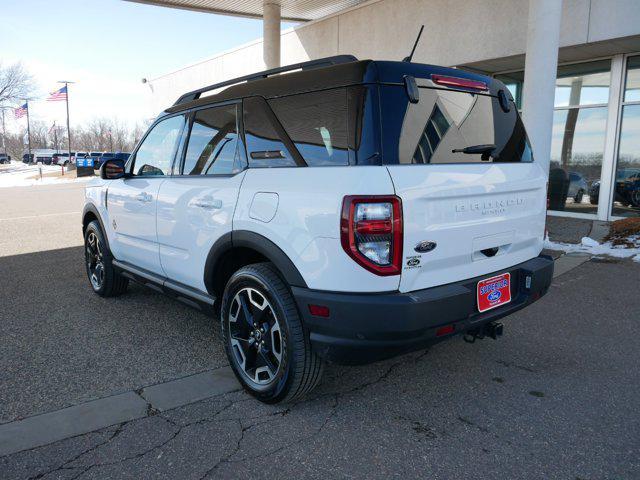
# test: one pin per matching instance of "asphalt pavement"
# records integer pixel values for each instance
(556, 397)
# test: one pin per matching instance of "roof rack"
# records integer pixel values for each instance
(321, 62)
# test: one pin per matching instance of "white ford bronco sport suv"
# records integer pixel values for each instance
(346, 211)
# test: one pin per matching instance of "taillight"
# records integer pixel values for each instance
(371, 232)
(458, 82)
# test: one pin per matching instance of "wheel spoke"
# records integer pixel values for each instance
(264, 354)
(246, 311)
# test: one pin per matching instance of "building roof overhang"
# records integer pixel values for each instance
(292, 10)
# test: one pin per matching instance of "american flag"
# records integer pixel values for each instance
(21, 111)
(58, 95)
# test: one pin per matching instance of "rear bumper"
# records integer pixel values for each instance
(364, 328)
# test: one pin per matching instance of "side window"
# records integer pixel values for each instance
(213, 142)
(155, 155)
(265, 144)
(317, 123)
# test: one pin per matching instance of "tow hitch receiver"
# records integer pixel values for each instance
(491, 330)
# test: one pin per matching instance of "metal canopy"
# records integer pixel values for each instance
(292, 10)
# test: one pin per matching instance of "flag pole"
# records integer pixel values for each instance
(28, 131)
(66, 84)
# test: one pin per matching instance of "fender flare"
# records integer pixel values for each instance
(90, 207)
(257, 242)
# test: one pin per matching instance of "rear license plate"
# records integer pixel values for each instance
(493, 292)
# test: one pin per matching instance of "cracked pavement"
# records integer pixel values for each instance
(556, 397)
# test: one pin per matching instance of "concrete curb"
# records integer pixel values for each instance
(51, 427)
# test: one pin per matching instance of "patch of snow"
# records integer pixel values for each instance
(22, 175)
(592, 247)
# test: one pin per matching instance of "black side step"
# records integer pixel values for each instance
(187, 295)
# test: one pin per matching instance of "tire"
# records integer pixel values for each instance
(256, 365)
(103, 277)
(593, 200)
(578, 197)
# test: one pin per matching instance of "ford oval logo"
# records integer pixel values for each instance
(425, 246)
(494, 296)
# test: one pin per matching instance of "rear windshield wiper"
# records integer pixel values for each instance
(475, 149)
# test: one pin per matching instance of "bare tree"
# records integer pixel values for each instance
(15, 83)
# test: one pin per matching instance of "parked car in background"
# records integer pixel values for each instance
(45, 159)
(577, 187)
(62, 159)
(627, 188)
(103, 158)
(94, 156)
(28, 158)
(4, 158)
(75, 155)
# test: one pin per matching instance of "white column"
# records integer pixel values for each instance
(271, 33)
(540, 69)
(608, 174)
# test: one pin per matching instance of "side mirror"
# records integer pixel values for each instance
(112, 170)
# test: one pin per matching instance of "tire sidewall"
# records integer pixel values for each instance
(248, 277)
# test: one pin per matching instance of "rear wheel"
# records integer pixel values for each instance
(264, 338)
(104, 278)
(578, 197)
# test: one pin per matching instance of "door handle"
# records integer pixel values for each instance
(143, 197)
(207, 204)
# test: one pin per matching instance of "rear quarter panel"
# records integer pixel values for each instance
(306, 223)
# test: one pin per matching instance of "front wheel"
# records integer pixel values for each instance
(264, 338)
(104, 278)
(579, 196)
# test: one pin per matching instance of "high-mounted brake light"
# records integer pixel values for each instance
(371, 232)
(458, 82)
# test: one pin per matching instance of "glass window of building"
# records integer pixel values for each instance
(579, 130)
(626, 197)
(583, 84)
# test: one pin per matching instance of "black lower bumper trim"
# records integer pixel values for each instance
(363, 328)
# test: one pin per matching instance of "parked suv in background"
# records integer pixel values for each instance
(103, 158)
(350, 211)
(4, 158)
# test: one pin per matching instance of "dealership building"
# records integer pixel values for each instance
(573, 67)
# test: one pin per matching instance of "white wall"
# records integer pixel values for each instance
(456, 32)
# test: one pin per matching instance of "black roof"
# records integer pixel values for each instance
(323, 74)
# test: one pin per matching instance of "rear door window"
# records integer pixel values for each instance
(444, 122)
(317, 123)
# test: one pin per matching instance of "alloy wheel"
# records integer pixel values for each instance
(95, 263)
(255, 337)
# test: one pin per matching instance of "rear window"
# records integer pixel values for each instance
(445, 120)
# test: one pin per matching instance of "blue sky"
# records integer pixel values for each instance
(112, 44)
